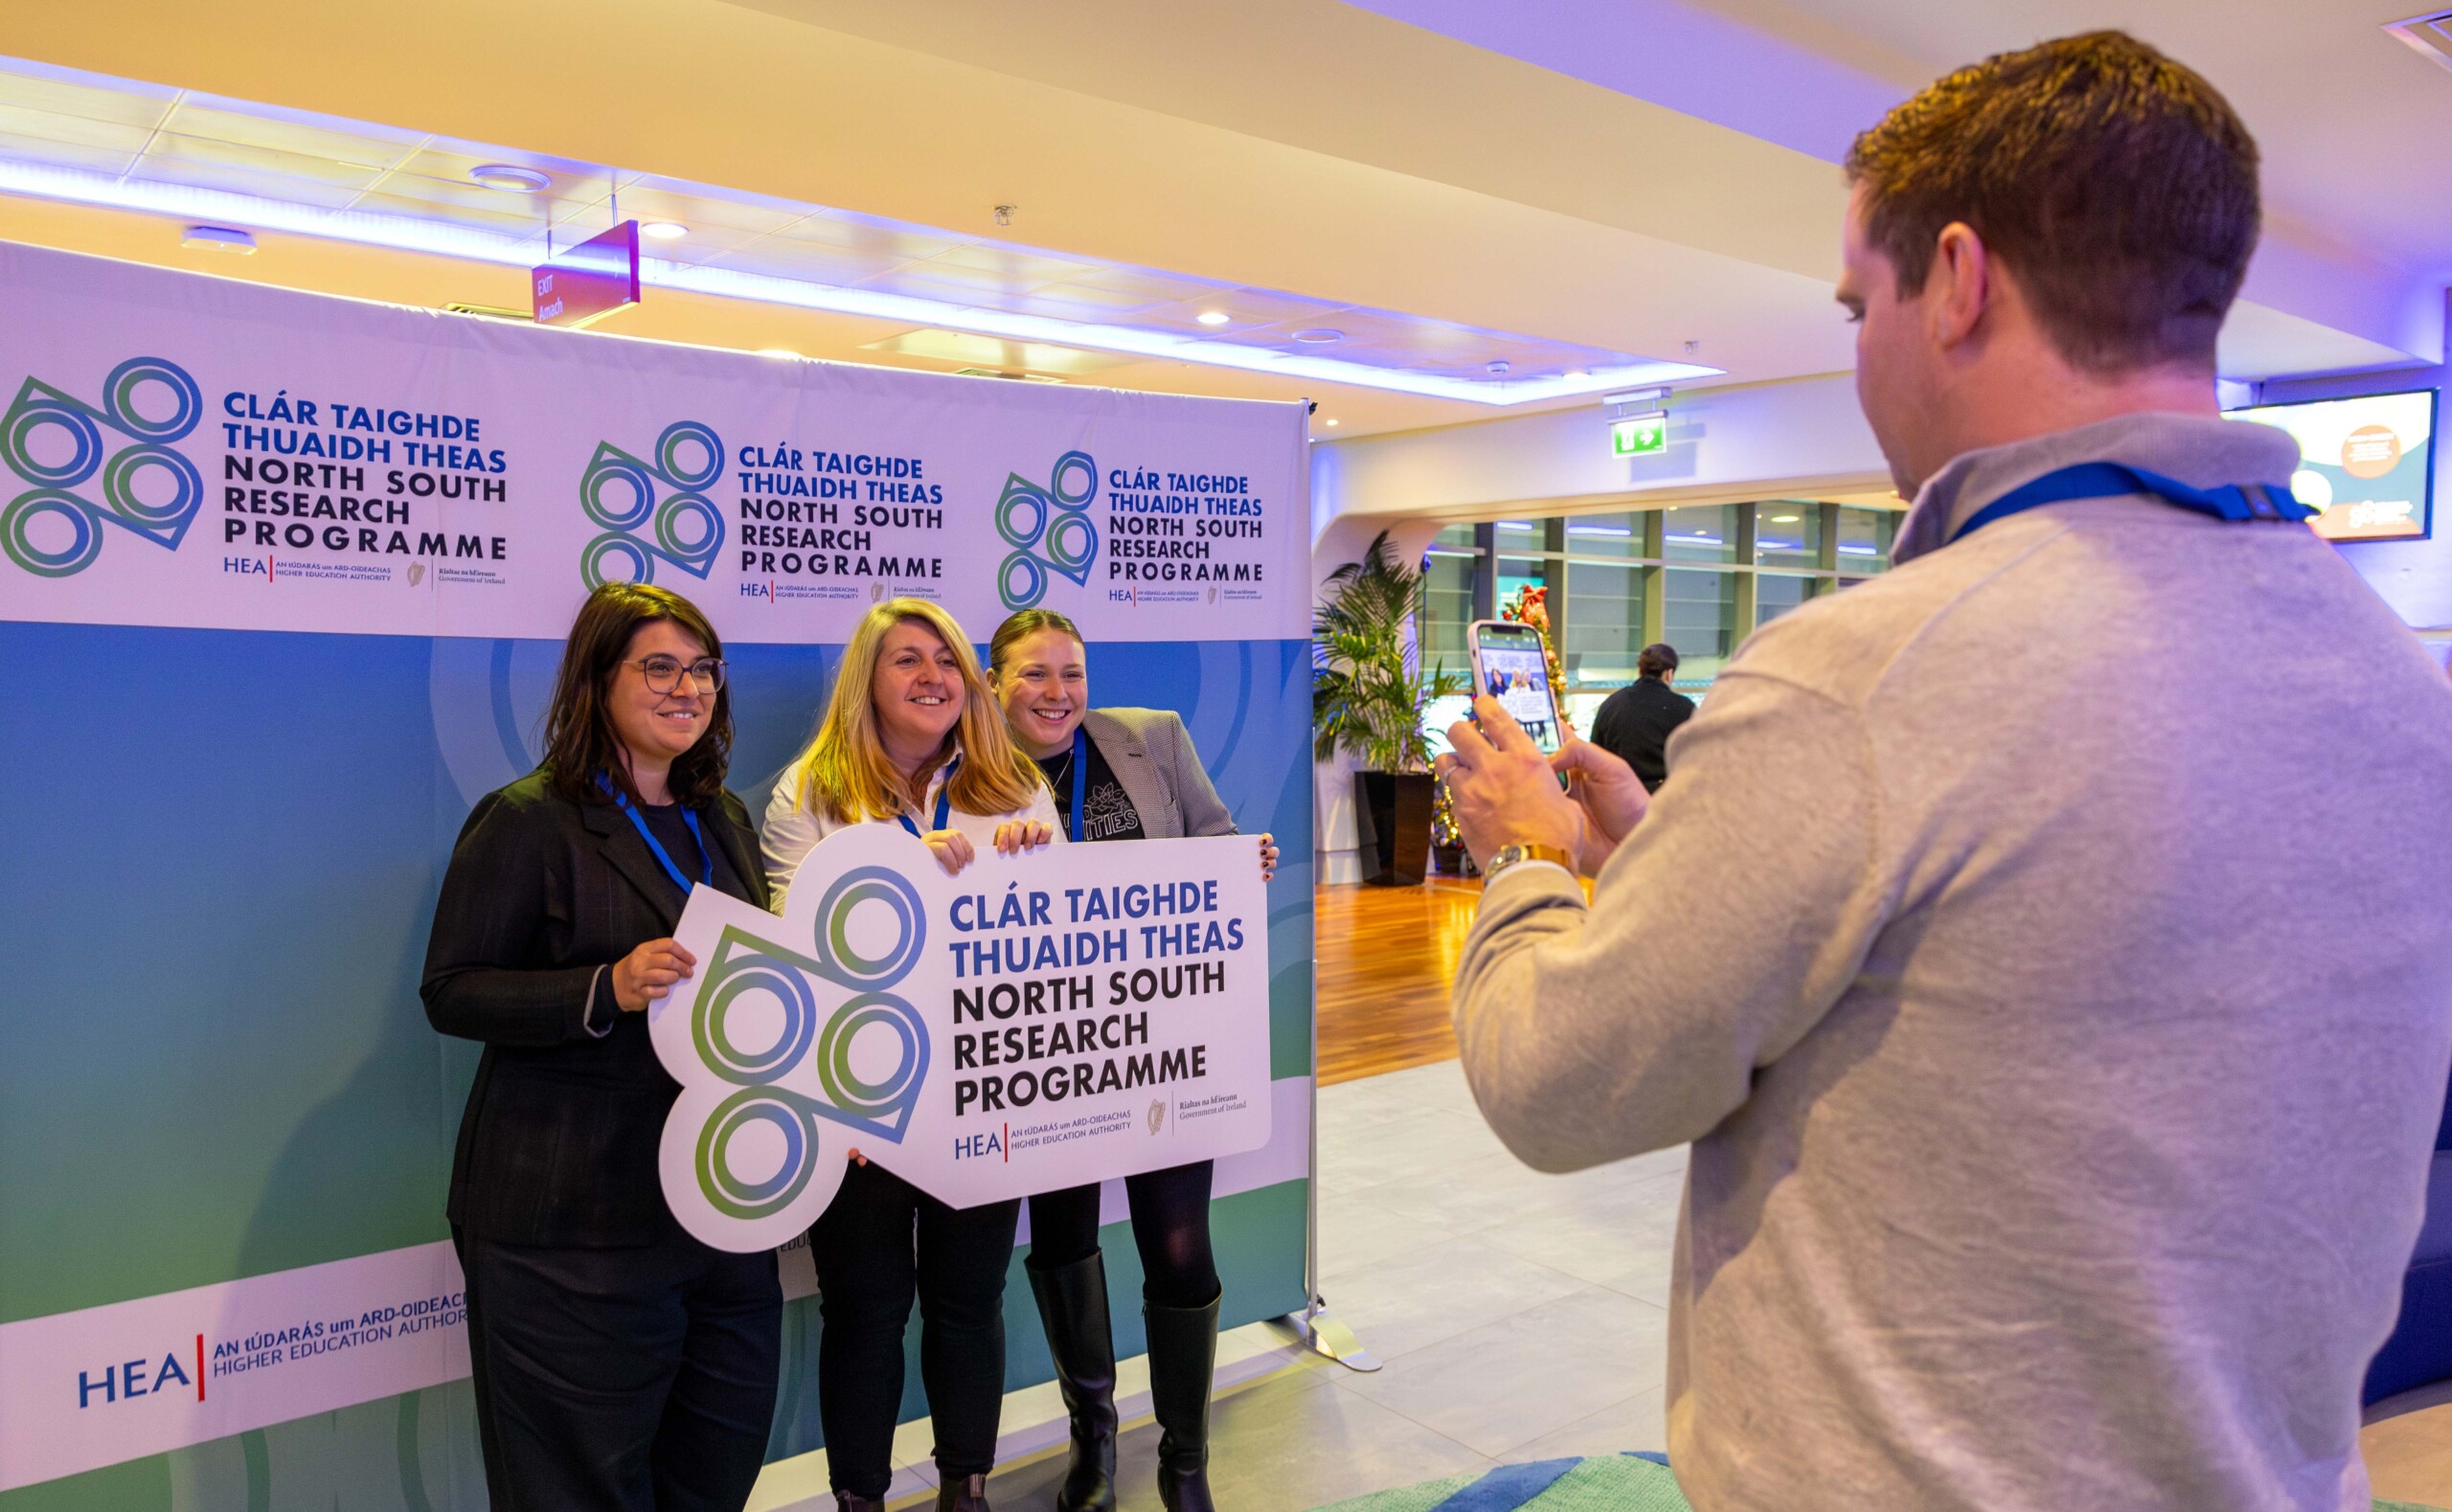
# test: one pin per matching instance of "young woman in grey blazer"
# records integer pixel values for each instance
(1119, 773)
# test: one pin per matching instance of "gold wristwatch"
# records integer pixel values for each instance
(1505, 856)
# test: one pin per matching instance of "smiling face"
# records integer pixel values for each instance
(654, 727)
(917, 690)
(1044, 686)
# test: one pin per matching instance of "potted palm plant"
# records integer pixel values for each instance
(1368, 694)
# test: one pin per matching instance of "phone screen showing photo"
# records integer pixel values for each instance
(1513, 670)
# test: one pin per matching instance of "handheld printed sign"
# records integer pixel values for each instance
(1038, 1022)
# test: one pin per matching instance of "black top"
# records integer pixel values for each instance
(1106, 809)
(559, 1144)
(669, 827)
(1635, 722)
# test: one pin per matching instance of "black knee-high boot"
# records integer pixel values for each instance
(1072, 1305)
(1183, 1356)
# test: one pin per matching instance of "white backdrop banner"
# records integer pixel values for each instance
(106, 1384)
(1038, 1022)
(187, 450)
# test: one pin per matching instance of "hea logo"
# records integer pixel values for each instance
(131, 1379)
(744, 964)
(53, 440)
(1056, 521)
(681, 526)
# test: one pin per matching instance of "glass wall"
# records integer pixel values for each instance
(1698, 577)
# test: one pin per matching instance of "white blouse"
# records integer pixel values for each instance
(792, 830)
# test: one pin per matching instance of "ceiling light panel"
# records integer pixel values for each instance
(233, 161)
(172, 172)
(109, 162)
(90, 97)
(372, 148)
(51, 125)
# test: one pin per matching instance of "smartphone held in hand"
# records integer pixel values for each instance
(1510, 665)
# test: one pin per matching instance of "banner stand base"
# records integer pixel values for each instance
(1331, 1338)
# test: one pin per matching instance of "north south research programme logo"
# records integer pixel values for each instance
(1049, 528)
(875, 1099)
(53, 440)
(654, 510)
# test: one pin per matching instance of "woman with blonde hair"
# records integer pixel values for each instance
(1119, 773)
(911, 737)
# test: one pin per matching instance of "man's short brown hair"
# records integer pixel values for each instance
(2119, 187)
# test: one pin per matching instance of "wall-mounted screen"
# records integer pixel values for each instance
(2367, 463)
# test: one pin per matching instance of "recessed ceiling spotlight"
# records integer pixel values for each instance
(1575, 375)
(510, 178)
(1498, 369)
(1319, 335)
(777, 351)
(217, 238)
(1213, 317)
(1331, 422)
(662, 230)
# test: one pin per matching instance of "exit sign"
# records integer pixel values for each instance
(1639, 435)
(590, 280)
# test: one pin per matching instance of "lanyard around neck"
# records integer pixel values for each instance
(1080, 778)
(2104, 479)
(944, 801)
(664, 857)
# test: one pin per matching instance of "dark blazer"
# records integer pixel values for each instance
(1635, 723)
(558, 1144)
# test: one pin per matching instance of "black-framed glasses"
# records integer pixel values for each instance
(664, 673)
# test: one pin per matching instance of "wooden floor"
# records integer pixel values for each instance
(1387, 961)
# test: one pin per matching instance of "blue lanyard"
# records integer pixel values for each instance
(944, 803)
(1080, 776)
(2104, 480)
(663, 857)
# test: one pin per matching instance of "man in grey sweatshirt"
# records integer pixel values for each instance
(2047, 946)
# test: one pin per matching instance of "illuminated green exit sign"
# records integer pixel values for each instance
(1639, 436)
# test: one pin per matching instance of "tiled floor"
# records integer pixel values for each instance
(1517, 1316)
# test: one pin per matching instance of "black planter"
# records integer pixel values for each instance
(1392, 816)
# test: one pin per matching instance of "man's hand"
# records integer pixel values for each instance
(1613, 798)
(1504, 790)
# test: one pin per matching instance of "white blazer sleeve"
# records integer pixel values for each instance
(790, 833)
(1043, 809)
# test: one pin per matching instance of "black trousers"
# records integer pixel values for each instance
(878, 1244)
(1169, 1227)
(630, 1380)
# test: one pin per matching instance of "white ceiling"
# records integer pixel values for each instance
(1629, 177)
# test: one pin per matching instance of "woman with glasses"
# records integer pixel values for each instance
(619, 1363)
(1119, 773)
(912, 737)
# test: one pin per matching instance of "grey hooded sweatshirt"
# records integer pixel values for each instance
(2047, 947)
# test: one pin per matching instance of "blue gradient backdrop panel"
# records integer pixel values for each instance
(226, 850)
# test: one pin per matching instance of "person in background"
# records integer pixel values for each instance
(912, 737)
(1119, 773)
(1635, 722)
(2062, 1072)
(618, 1362)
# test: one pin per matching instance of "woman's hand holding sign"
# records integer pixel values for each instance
(646, 974)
